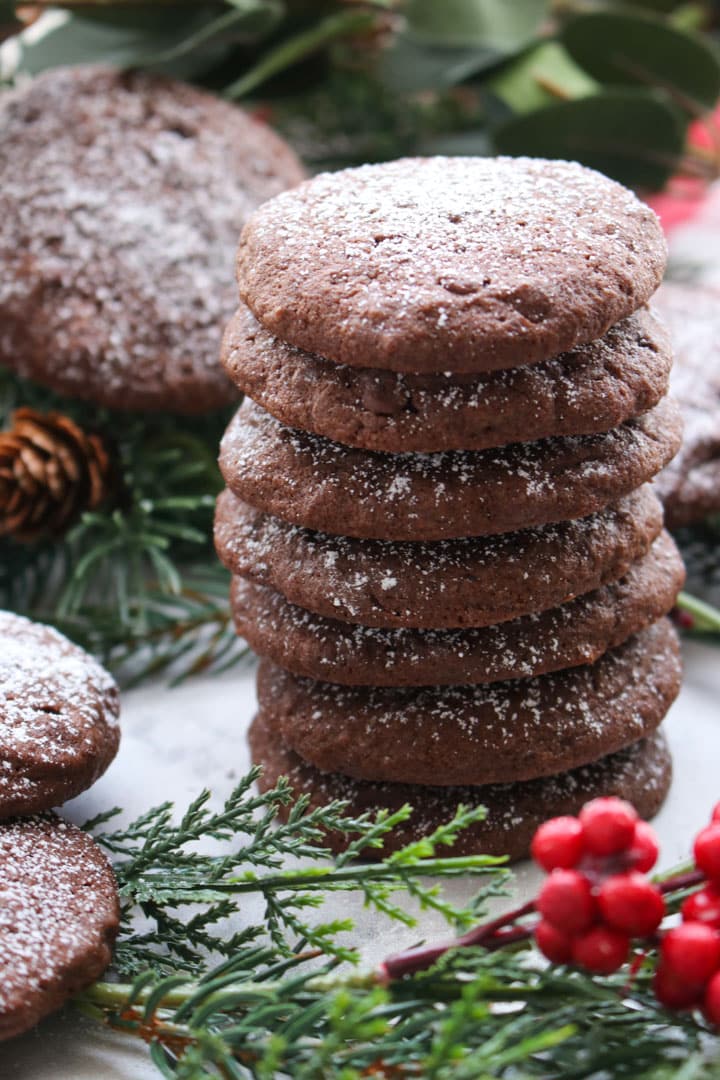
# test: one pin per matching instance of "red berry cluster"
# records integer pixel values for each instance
(596, 897)
(688, 974)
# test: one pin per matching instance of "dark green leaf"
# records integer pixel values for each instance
(411, 66)
(492, 24)
(299, 47)
(630, 135)
(539, 77)
(179, 40)
(626, 49)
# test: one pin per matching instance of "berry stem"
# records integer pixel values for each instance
(499, 933)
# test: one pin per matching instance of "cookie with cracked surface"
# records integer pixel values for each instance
(690, 485)
(641, 774)
(446, 584)
(483, 734)
(591, 389)
(309, 481)
(58, 918)
(117, 266)
(58, 717)
(450, 264)
(578, 632)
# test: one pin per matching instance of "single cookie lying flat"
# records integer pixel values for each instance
(447, 584)
(310, 481)
(690, 485)
(121, 198)
(509, 731)
(641, 774)
(576, 633)
(450, 264)
(58, 717)
(59, 915)
(591, 389)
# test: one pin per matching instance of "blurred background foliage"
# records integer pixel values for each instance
(616, 86)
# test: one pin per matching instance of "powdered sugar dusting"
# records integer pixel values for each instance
(464, 582)
(483, 262)
(591, 389)
(58, 916)
(58, 707)
(690, 485)
(574, 633)
(507, 731)
(311, 481)
(121, 201)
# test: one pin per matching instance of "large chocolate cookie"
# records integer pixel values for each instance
(309, 481)
(591, 389)
(690, 485)
(58, 917)
(58, 717)
(121, 199)
(641, 774)
(450, 264)
(450, 583)
(576, 633)
(514, 730)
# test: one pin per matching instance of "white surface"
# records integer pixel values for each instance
(176, 742)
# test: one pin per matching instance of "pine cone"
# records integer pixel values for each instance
(50, 472)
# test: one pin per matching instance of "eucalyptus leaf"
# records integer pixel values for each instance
(625, 48)
(411, 66)
(502, 25)
(177, 39)
(631, 135)
(541, 76)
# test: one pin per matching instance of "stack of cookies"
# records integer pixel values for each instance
(438, 514)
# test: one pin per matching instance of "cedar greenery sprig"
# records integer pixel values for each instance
(255, 1003)
(160, 870)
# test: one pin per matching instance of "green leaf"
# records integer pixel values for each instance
(180, 40)
(492, 24)
(631, 135)
(411, 66)
(540, 77)
(627, 49)
(299, 47)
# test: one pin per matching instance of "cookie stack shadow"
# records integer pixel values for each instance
(444, 541)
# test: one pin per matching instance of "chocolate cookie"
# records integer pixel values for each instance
(58, 917)
(591, 389)
(450, 264)
(641, 774)
(514, 730)
(690, 485)
(447, 584)
(122, 195)
(310, 481)
(577, 633)
(58, 717)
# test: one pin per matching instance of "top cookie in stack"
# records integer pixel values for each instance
(437, 511)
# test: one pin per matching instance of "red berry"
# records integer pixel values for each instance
(601, 950)
(715, 816)
(707, 851)
(711, 1004)
(608, 825)
(566, 901)
(672, 992)
(558, 843)
(645, 849)
(703, 907)
(552, 943)
(630, 903)
(691, 952)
